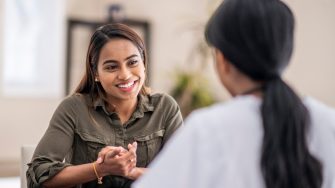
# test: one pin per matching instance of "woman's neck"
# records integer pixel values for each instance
(246, 86)
(124, 108)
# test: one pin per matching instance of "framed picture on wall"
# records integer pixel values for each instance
(79, 33)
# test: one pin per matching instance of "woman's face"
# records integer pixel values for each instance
(121, 70)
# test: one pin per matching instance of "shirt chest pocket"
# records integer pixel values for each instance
(148, 146)
(91, 146)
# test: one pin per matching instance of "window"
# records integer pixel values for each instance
(33, 48)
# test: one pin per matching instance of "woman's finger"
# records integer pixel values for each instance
(105, 150)
(113, 153)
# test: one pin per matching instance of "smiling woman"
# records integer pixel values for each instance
(112, 127)
(120, 71)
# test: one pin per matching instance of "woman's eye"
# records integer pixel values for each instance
(133, 62)
(111, 67)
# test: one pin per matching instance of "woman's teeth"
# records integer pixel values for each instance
(126, 85)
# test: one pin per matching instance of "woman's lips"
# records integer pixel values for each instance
(127, 86)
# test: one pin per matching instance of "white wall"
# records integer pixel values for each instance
(313, 65)
(23, 120)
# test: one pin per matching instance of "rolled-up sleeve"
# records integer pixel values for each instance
(42, 169)
(48, 158)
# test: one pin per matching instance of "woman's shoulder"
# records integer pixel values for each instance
(164, 99)
(230, 109)
(316, 105)
(76, 99)
(161, 96)
(227, 118)
(320, 113)
(322, 134)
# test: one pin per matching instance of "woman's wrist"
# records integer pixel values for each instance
(97, 173)
(100, 169)
(136, 173)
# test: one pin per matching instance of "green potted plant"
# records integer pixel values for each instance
(191, 92)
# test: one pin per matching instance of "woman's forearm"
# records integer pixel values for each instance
(112, 162)
(72, 175)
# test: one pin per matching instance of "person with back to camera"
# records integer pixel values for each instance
(266, 136)
(112, 127)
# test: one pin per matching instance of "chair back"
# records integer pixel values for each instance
(27, 152)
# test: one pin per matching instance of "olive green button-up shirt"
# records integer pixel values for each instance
(79, 129)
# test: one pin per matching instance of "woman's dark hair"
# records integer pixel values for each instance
(256, 36)
(101, 36)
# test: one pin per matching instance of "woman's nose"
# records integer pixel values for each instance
(124, 74)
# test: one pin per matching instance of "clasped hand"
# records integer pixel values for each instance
(118, 161)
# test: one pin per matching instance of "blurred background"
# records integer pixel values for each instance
(43, 45)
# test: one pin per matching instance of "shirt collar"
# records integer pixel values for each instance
(144, 105)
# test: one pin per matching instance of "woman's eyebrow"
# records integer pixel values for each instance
(109, 61)
(131, 56)
(115, 61)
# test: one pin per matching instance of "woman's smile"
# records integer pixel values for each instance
(127, 86)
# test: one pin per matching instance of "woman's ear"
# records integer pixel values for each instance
(226, 71)
(96, 78)
(222, 63)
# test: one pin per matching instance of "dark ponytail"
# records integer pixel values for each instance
(256, 36)
(286, 161)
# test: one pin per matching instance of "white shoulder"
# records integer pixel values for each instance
(238, 111)
(321, 114)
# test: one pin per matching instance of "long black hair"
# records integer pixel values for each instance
(256, 36)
